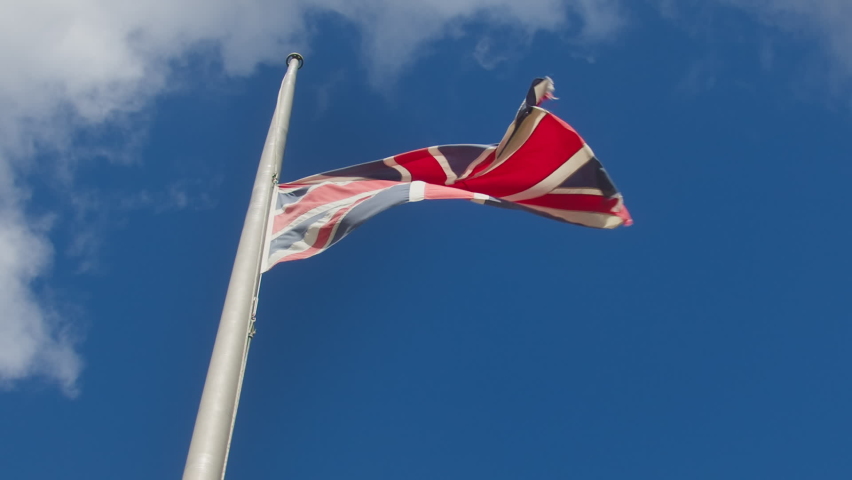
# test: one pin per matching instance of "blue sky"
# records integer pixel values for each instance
(442, 339)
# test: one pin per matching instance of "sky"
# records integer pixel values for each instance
(442, 339)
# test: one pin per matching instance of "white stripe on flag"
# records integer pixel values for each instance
(417, 191)
(307, 241)
(267, 236)
(480, 198)
(519, 138)
(576, 191)
(324, 208)
(482, 156)
(589, 219)
(556, 178)
(317, 179)
(442, 161)
(285, 191)
(543, 89)
(391, 162)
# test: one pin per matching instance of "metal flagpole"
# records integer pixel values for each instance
(214, 425)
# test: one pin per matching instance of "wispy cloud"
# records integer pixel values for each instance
(826, 21)
(820, 25)
(486, 55)
(93, 64)
(701, 76)
(94, 213)
(33, 339)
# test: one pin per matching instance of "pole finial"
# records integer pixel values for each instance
(296, 56)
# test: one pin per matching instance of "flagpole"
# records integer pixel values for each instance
(214, 425)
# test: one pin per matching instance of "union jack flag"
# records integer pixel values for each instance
(541, 166)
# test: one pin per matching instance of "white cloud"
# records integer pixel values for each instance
(87, 64)
(600, 19)
(826, 20)
(824, 24)
(485, 56)
(32, 340)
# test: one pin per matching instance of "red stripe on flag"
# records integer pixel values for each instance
(422, 166)
(324, 234)
(624, 214)
(440, 192)
(551, 144)
(322, 195)
(566, 126)
(576, 203)
(484, 164)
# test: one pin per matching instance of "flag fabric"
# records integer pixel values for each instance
(541, 166)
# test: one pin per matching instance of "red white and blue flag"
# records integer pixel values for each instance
(542, 166)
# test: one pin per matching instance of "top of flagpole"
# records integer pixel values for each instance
(296, 56)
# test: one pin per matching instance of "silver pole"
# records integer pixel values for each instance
(208, 450)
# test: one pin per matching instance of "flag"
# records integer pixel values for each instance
(541, 166)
